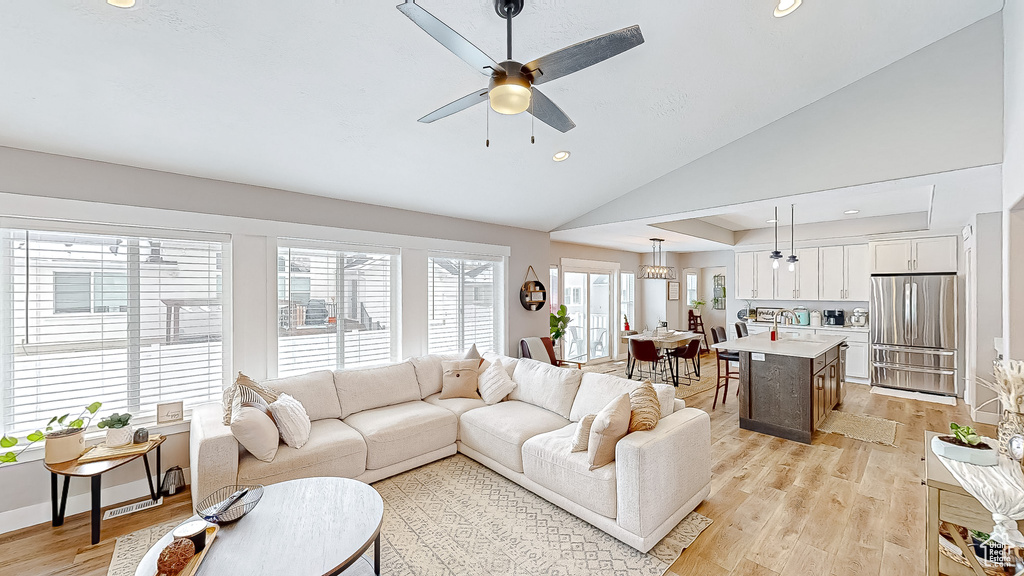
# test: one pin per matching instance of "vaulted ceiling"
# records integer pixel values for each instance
(322, 97)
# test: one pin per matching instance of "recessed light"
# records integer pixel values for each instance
(560, 156)
(771, 221)
(849, 212)
(786, 7)
(121, 3)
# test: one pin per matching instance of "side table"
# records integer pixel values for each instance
(94, 471)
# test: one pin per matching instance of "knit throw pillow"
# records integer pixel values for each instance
(581, 439)
(292, 420)
(495, 383)
(251, 392)
(645, 408)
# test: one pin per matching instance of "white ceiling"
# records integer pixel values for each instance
(943, 202)
(322, 97)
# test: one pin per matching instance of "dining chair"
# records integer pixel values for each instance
(646, 351)
(690, 353)
(542, 349)
(727, 356)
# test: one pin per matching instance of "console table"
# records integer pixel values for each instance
(94, 471)
(949, 502)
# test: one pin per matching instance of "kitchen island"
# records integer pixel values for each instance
(788, 386)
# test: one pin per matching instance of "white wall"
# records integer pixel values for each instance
(1013, 178)
(56, 187)
(988, 254)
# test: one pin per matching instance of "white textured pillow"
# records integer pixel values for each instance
(495, 383)
(255, 431)
(292, 420)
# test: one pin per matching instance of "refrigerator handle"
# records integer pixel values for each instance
(906, 312)
(913, 310)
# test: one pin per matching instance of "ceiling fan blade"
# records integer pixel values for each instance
(579, 56)
(548, 112)
(457, 106)
(449, 38)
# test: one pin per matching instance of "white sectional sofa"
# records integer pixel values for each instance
(374, 423)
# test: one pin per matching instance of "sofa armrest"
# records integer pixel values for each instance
(212, 451)
(658, 471)
(678, 404)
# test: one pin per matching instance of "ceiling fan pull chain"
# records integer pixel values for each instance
(533, 117)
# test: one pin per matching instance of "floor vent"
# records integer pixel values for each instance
(129, 508)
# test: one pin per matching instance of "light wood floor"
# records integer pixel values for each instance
(837, 507)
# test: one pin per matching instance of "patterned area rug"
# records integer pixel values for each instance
(456, 517)
(860, 427)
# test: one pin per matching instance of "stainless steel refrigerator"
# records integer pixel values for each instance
(913, 332)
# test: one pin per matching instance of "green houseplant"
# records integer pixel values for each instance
(65, 439)
(697, 305)
(559, 324)
(119, 431)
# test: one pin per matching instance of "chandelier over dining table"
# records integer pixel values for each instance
(657, 270)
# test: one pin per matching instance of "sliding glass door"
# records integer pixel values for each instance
(588, 299)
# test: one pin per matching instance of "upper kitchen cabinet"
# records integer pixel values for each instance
(843, 273)
(802, 282)
(755, 277)
(914, 255)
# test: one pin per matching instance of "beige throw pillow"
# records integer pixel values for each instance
(292, 420)
(610, 425)
(581, 439)
(255, 431)
(250, 390)
(645, 408)
(459, 379)
(495, 383)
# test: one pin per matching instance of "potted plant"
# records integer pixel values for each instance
(119, 431)
(625, 320)
(965, 445)
(559, 324)
(65, 439)
(697, 305)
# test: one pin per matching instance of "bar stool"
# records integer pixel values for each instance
(741, 330)
(727, 356)
(646, 351)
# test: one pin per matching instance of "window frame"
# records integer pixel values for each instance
(499, 296)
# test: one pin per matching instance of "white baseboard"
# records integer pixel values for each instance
(984, 417)
(934, 398)
(40, 513)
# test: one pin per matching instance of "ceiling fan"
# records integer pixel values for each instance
(511, 89)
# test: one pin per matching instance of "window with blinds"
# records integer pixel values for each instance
(465, 303)
(129, 321)
(627, 300)
(335, 309)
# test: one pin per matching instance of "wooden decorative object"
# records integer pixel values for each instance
(104, 452)
(193, 565)
(533, 295)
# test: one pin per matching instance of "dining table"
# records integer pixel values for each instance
(667, 341)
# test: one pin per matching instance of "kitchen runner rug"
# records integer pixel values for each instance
(860, 427)
(457, 517)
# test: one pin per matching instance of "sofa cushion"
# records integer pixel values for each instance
(333, 449)
(499, 431)
(370, 388)
(546, 386)
(667, 398)
(596, 391)
(429, 373)
(315, 390)
(457, 406)
(548, 461)
(403, 431)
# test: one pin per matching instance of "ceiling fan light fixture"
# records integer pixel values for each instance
(510, 94)
(786, 7)
(122, 3)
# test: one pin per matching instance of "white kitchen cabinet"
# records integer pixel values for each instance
(937, 254)
(745, 275)
(802, 282)
(913, 255)
(843, 273)
(858, 273)
(857, 360)
(755, 277)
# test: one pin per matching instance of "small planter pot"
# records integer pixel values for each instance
(119, 436)
(977, 456)
(63, 447)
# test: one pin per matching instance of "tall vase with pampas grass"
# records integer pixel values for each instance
(1009, 388)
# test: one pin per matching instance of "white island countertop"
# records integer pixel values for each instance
(810, 346)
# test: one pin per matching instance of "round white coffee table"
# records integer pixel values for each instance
(307, 527)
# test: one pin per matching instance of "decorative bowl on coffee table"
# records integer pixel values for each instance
(209, 508)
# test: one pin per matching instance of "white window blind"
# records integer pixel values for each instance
(335, 309)
(129, 321)
(465, 304)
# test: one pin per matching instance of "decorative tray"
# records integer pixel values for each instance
(193, 564)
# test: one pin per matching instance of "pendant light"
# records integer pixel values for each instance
(657, 269)
(776, 255)
(792, 240)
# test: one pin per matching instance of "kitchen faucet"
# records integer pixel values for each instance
(782, 313)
